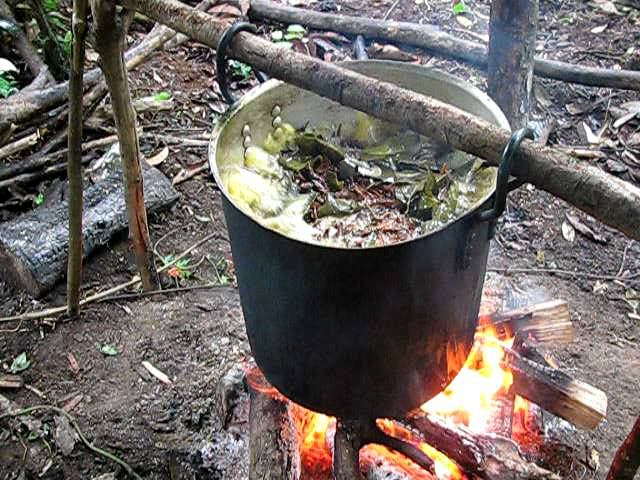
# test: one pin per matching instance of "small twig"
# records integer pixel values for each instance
(74, 424)
(129, 296)
(624, 257)
(594, 276)
(391, 9)
(49, 312)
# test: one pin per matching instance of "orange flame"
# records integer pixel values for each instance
(468, 401)
(468, 398)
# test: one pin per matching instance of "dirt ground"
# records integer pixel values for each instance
(175, 431)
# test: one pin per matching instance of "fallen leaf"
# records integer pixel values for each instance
(568, 232)
(624, 119)
(159, 157)
(607, 6)
(585, 229)
(157, 373)
(615, 167)
(73, 363)
(73, 403)
(465, 21)
(20, 363)
(589, 135)
(64, 436)
(109, 350)
(390, 52)
(7, 66)
(599, 29)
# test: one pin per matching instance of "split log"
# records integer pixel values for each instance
(33, 247)
(436, 41)
(346, 454)
(512, 43)
(273, 452)
(547, 322)
(627, 460)
(577, 402)
(609, 199)
(487, 456)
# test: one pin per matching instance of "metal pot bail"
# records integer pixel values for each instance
(221, 58)
(504, 172)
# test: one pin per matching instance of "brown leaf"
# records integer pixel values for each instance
(159, 157)
(73, 363)
(585, 229)
(390, 52)
(73, 403)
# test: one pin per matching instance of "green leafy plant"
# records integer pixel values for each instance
(459, 8)
(8, 85)
(20, 363)
(108, 350)
(162, 96)
(240, 69)
(295, 32)
(180, 269)
(39, 200)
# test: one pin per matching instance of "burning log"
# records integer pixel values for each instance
(272, 446)
(489, 456)
(555, 391)
(33, 247)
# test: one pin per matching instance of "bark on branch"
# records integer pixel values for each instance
(110, 36)
(438, 42)
(512, 44)
(611, 200)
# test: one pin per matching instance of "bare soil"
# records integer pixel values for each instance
(177, 431)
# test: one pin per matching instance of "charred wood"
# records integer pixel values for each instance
(33, 247)
(627, 459)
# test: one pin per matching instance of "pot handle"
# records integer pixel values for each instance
(504, 172)
(221, 58)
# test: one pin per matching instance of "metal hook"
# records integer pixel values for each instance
(221, 58)
(504, 172)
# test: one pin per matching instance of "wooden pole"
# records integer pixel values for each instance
(74, 158)
(609, 199)
(110, 36)
(512, 43)
(627, 460)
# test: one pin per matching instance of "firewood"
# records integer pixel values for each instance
(627, 460)
(434, 40)
(609, 199)
(488, 456)
(577, 402)
(33, 247)
(273, 453)
(547, 322)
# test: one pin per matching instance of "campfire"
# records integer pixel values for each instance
(481, 425)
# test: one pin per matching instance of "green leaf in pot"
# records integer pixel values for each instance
(311, 144)
(333, 183)
(336, 207)
(294, 163)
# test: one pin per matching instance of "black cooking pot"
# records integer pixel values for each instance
(356, 332)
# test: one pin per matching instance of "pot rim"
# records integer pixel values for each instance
(254, 93)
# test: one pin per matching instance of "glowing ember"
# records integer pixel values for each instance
(468, 401)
